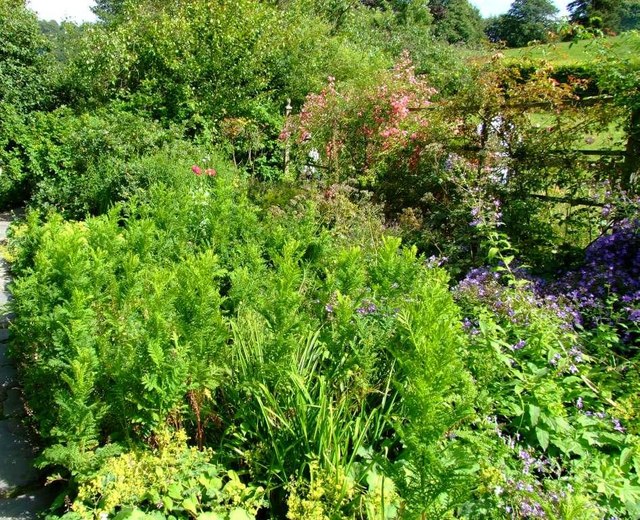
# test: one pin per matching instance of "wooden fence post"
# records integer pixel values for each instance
(632, 160)
(287, 145)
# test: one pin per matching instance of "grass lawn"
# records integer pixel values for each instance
(624, 46)
(611, 137)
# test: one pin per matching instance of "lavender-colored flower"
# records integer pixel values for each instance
(367, 308)
(554, 360)
(579, 403)
(519, 345)
(534, 510)
(573, 369)
(617, 426)
(576, 353)
(329, 308)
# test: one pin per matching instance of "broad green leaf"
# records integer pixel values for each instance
(543, 438)
(190, 505)
(240, 514)
(175, 491)
(534, 414)
(168, 503)
(130, 514)
(625, 456)
(210, 516)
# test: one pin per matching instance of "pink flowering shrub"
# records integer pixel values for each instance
(433, 161)
(359, 131)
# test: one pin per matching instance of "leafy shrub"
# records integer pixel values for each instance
(262, 332)
(552, 404)
(435, 163)
(23, 57)
(76, 163)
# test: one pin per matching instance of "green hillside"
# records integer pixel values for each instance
(625, 46)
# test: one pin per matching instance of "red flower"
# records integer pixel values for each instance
(211, 172)
(196, 169)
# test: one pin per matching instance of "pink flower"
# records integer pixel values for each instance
(211, 172)
(284, 135)
(389, 132)
(400, 107)
(305, 136)
(196, 169)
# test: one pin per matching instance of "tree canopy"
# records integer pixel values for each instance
(526, 21)
(456, 21)
(610, 15)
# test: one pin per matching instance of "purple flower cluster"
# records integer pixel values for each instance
(531, 510)
(615, 422)
(605, 289)
(608, 281)
(367, 308)
(485, 285)
(491, 216)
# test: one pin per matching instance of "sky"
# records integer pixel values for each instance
(80, 10)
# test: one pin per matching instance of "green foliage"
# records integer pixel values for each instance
(526, 21)
(436, 393)
(250, 337)
(550, 400)
(435, 162)
(208, 60)
(457, 21)
(170, 481)
(23, 57)
(264, 333)
(78, 163)
(605, 15)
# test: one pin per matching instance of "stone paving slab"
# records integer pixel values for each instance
(7, 378)
(16, 453)
(27, 506)
(5, 319)
(4, 355)
(13, 405)
(16, 456)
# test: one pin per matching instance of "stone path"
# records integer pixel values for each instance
(22, 495)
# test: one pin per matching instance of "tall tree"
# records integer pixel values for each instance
(630, 16)
(612, 15)
(23, 56)
(108, 9)
(595, 13)
(456, 21)
(526, 21)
